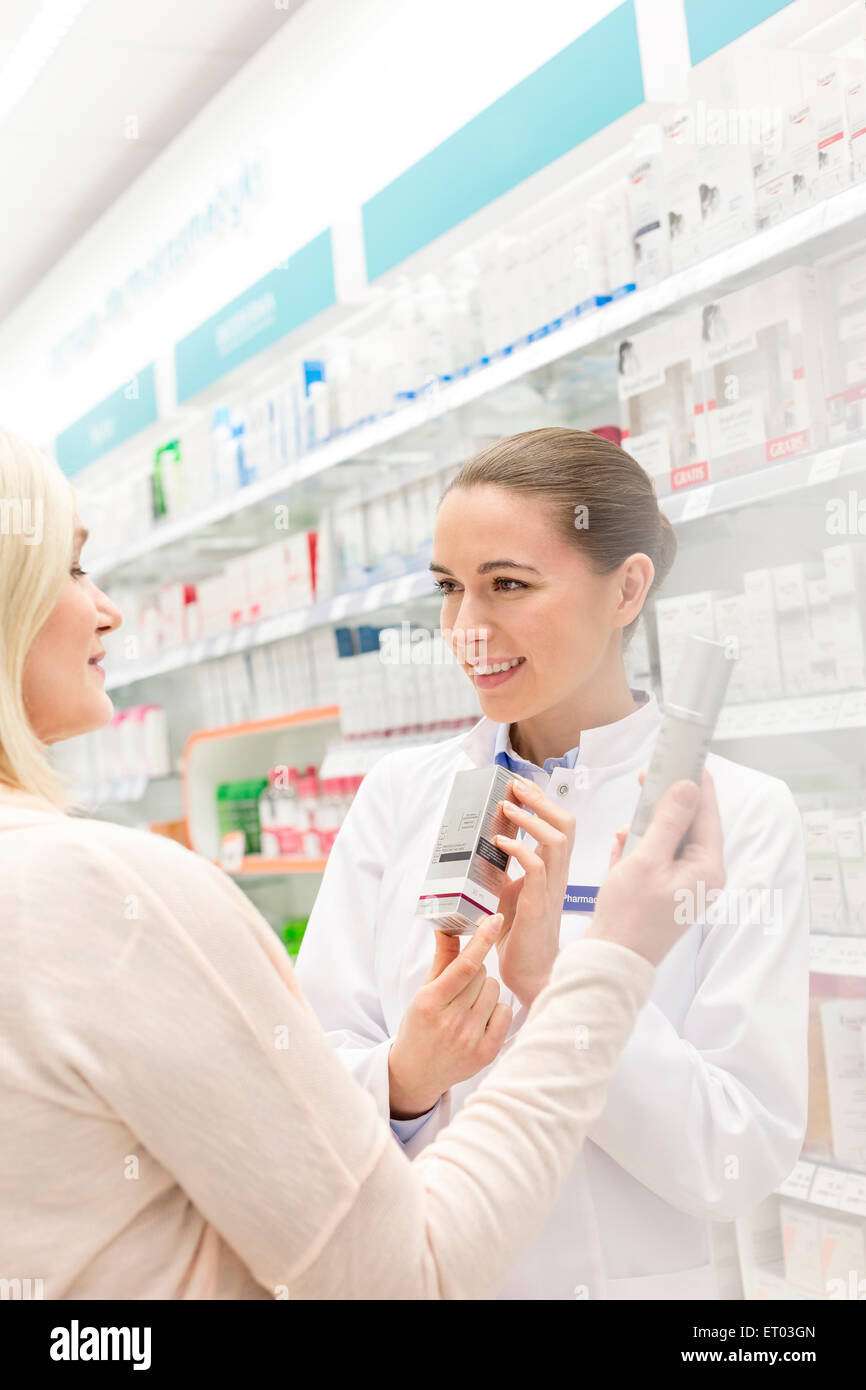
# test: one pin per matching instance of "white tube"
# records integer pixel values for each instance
(687, 728)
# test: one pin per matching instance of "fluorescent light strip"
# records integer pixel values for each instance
(49, 26)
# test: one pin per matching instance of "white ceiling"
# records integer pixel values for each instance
(64, 153)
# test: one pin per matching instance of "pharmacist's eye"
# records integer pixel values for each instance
(444, 586)
(503, 579)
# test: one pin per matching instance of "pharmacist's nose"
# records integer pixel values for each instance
(471, 636)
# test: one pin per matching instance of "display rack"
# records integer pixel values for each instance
(213, 756)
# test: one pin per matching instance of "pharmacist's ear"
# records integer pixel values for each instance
(634, 581)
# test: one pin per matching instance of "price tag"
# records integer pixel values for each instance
(854, 1194)
(827, 1187)
(697, 503)
(798, 1181)
(232, 847)
(239, 639)
(826, 465)
(221, 644)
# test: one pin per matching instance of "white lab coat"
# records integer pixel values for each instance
(706, 1111)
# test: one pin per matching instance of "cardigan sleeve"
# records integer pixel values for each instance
(161, 995)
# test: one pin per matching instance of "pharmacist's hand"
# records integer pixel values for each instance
(647, 901)
(532, 904)
(454, 1026)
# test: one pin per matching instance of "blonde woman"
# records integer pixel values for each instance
(173, 1121)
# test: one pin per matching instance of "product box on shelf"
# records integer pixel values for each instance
(612, 206)
(843, 337)
(682, 191)
(837, 92)
(850, 835)
(845, 567)
(766, 666)
(823, 873)
(662, 417)
(843, 1021)
(818, 1139)
(761, 375)
(648, 212)
(801, 1245)
(843, 1253)
(676, 618)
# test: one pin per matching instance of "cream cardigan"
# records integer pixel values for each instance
(174, 1124)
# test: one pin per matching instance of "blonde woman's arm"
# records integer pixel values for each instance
(175, 1005)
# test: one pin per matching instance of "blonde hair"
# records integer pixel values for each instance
(37, 521)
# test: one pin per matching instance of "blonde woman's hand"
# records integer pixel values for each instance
(454, 1026)
(644, 902)
(532, 904)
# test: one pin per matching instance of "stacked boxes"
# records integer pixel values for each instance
(761, 373)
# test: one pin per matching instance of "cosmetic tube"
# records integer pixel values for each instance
(687, 727)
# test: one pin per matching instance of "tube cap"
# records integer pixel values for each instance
(702, 678)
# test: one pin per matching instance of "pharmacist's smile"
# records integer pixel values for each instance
(493, 673)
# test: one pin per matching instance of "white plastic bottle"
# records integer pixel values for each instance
(687, 727)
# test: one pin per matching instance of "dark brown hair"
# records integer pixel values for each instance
(575, 468)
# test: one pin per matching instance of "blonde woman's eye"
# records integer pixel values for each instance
(78, 571)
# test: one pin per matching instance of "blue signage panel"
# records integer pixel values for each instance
(711, 25)
(578, 92)
(127, 411)
(282, 300)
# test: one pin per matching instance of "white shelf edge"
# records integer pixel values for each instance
(824, 1184)
(837, 955)
(622, 314)
(357, 603)
(835, 711)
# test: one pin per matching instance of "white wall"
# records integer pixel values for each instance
(342, 100)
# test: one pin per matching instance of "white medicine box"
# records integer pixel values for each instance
(843, 333)
(761, 373)
(661, 415)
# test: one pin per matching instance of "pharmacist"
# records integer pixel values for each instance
(706, 1111)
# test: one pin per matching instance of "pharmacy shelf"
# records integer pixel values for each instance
(213, 756)
(826, 1185)
(256, 866)
(815, 231)
(837, 955)
(372, 598)
(813, 469)
(124, 789)
(805, 714)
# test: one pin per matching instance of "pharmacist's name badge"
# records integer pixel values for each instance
(580, 897)
(232, 846)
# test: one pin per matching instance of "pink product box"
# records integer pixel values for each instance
(761, 372)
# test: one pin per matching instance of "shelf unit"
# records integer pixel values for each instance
(212, 756)
(256, 866)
